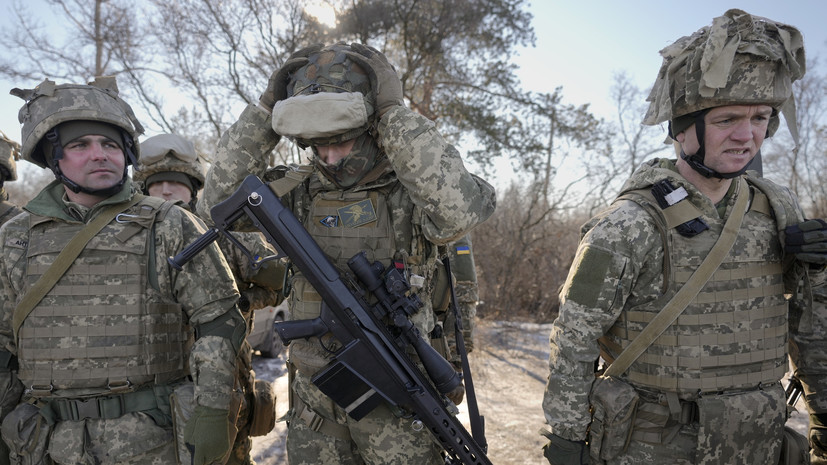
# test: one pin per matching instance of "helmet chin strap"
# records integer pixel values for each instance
(696, 160)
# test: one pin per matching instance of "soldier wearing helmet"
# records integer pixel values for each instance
(381, 179)
(170, 168)
(693, 286)
(9, 153)
(101, 332)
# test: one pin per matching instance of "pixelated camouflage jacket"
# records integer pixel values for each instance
(448, 201)
(630, 272)
(204, 288)
(453, 201)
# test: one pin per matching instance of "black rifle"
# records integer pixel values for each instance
(371, 365)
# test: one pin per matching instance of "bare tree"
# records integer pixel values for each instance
(802, 168)
(632, 143)
(99, 29)
(523, 254)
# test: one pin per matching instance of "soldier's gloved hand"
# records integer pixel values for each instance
(209, 434)
(383, 79)
(457, 394)
(561, 451)
(818, 436)
(807, 241)
(277, 85)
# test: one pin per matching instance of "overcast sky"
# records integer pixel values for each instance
(582, 44)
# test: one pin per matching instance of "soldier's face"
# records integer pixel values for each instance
(93, 162)
(331, 154)
(170, 190)
(733, 136)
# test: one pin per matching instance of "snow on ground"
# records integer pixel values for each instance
(509, 368)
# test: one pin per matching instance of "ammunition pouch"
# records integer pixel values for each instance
(614, 405)
(264, 409)
(26, 432)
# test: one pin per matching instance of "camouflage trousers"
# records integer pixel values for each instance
(379, 438)
(735, 429)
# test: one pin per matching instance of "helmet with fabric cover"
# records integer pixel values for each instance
(48, 105)
(331, 70)
(740, 59)
(169, 153)
(9, 153)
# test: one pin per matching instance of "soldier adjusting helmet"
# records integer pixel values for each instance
(330, 70)
(55, 114)
(740, 59)
(330, 101)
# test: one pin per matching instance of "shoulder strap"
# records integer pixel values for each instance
(291, 180)
(681, 299)
(65, 259)
(9, 209)
(674, 215)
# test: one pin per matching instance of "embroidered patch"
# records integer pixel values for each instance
(463, 250)
(357, 214)
(330, 221)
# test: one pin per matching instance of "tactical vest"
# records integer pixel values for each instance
(383, 222)
(733, 335)
(101, 326)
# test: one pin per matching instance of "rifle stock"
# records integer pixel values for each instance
(370, 365)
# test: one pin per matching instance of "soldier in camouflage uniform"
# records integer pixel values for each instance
(170, 168)
(382, 180)
(122, 358)
(706, 390)
(9, 151)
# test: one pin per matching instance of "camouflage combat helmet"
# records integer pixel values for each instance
(49, 105)
(9, 153)
(331, 70)
(169, 153)
(740, 59)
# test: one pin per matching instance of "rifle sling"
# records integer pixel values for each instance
(477, 421)
(689, 291)
(65, 259)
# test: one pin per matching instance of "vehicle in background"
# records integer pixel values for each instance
(264, 338)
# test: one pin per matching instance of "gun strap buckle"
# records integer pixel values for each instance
(317, 423)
